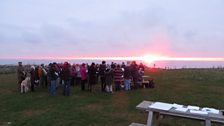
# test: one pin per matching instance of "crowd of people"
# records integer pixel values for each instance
(110, 76)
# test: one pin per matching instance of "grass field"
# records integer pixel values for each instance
(201, 87)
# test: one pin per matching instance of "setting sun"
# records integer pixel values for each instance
(150, 58)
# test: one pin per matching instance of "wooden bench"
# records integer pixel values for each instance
(208, 118)
(146, 80)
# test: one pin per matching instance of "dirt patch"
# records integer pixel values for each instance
(92, 107)
(6, 91)
(182, 86)
(217, 89)
(30, 113)
(120, 100)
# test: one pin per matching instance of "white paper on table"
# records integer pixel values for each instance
(198, 112)
(210, 110)
(177, 105)
(161, 106)
(181, 109)
(193, 107)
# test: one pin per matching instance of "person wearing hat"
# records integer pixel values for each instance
(20, 74)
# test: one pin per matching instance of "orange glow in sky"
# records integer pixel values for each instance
(149, 59)
(152, 58)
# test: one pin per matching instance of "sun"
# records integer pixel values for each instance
(149, 59)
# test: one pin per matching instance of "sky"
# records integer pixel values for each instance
(111, 28)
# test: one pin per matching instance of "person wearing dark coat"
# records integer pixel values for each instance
(134, 74)
(53, 76)
(32, 77)
(83, 75)
(73, 74)
(36, 76)
(66, 77)
(109, 80)
(102, 70)
(92, 77)
(127, 77)
(20, 74)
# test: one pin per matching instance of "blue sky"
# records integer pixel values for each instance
(66, 28)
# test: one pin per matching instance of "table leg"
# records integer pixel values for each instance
(149, 121)
(207, 122)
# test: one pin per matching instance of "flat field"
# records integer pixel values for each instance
(200, 87)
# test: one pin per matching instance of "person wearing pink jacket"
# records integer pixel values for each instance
(83, 73)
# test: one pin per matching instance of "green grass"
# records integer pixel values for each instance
(201, 87)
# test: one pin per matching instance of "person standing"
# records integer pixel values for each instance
(36, 76)
(66, 77)
(141, 65)
(73, 74)
(41, 75)
(78, 75)
(109, 80)
(134, 74)
(102, 70)
(83, 75)
(53, 76)
(45, 74)
(32, 77)
(92, 77)
(118, 73)
(20, 74)
(127, 77)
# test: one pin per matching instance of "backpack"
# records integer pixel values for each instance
(151, 84)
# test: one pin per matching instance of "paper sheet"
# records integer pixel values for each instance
(177, 105)
(181, 109)
(193, 107)
(210, 110)
(161, 106)
(198, 112)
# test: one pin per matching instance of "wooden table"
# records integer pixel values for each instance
(208, 118)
